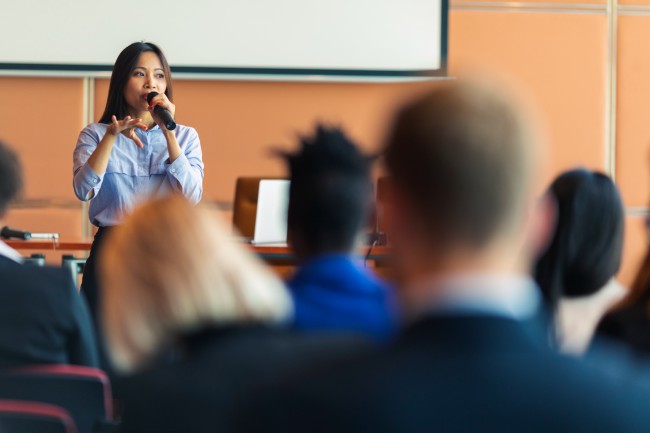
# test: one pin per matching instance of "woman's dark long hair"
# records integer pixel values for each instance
(586, 251)
(126, 61)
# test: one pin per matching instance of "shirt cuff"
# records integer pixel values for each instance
(89, 181)
(179, 167)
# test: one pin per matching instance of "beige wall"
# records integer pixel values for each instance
(585, 69)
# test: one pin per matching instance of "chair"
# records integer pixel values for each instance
(245, 205)
(30, 417)
(83, 391)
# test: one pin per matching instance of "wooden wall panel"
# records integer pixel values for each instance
(641, 3)
(41, 119)
(65, 221)
(559, 60)
(633, 111)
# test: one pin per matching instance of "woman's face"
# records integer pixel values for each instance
(147, 76)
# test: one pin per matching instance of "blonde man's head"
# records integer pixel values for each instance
(463, 154)
(171, 268)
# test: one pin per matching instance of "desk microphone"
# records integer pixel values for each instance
(9, 233)
(162, 113)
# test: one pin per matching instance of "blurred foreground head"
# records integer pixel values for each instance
(172, 269)
(462, 168)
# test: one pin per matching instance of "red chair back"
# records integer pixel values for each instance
(83, 391)
(30, 417)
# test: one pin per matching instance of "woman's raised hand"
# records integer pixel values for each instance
(127, 127)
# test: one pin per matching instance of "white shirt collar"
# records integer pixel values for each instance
(511, 296)
(10, 253)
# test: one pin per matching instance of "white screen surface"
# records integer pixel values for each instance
(271, 216)
(366, 35)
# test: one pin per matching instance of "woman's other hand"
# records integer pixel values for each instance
(127, 127)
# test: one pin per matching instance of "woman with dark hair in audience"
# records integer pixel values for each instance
(577, 272)
(130, 155)
(629, 322)
(176, 279)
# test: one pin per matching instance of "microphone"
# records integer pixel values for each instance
(8, 233)
(162, 113)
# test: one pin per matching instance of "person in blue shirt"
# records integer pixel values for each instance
(129, 156)
(330, 200)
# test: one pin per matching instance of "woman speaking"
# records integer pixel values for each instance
(130, 156)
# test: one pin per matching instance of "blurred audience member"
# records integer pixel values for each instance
(465, 226)
(177, 282)
(629, 322)
(43, 319)
(330, 202)
(577, 272)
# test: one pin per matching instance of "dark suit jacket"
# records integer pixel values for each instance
(43, 319)
(200, 392)
(455, 374)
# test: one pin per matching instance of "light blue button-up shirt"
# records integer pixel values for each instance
(134, 175)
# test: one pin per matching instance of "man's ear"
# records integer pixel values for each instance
(542, 225)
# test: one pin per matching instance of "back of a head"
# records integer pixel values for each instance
(172, 269)
(585, 252)
(330, 193)
(460, 155)
(11, 177)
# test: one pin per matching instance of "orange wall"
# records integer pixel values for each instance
(238, 122)
(539, 52)
(557, 53)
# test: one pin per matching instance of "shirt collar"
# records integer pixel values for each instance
(10, 253)
(153, 128)
(511, 296)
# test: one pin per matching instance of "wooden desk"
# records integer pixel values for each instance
(50, 245)
(272, 255)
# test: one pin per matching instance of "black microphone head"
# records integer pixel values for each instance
(9, 233)
(151, 95)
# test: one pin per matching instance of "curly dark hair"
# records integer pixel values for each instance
(331, 192)
(11, 177)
